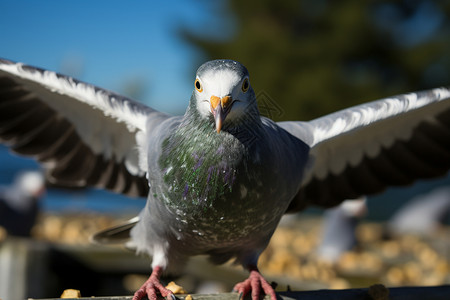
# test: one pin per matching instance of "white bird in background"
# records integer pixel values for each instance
(338, 233)
(423, 214)
(19, 202)
(219, 178)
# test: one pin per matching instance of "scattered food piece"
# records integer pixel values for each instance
(176, 289)
(71, 293)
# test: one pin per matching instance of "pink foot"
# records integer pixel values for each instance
(255, 283)
(152, 287)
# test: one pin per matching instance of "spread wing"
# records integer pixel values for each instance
(83, 135)
(363, 149)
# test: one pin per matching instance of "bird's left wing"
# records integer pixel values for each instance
(363, 149)
(83, 135)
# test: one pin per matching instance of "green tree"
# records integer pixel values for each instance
(315, 57)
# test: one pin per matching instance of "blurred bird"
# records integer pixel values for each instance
(19, 205)
(219, 178)
(338, 234)
(423, 214)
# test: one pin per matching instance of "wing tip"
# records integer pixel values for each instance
(115, 235)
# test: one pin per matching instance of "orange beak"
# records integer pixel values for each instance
(220, 108)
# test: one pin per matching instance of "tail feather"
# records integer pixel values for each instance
(119, 234)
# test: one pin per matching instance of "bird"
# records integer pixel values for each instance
(423, 214)
(218, 178)
(339, 226)
(19, 203)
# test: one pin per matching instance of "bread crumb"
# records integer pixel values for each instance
(176, 289)
(71, 293)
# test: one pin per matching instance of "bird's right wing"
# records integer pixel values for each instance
(363, 149)
(83, 135)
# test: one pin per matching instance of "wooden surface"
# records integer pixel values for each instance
(375, 293)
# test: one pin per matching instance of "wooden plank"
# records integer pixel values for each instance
(376, 292)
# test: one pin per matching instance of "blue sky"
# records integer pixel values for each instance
(109, 43)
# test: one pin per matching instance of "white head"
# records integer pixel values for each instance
(223, 90)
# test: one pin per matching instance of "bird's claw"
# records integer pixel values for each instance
(151, 290)
(255, 283)
(152, 287)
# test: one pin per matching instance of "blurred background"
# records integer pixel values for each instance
(306, 59)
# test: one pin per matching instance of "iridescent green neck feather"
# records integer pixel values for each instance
(199, 165)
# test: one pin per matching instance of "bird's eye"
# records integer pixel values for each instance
(198, 86)
(245, 85)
